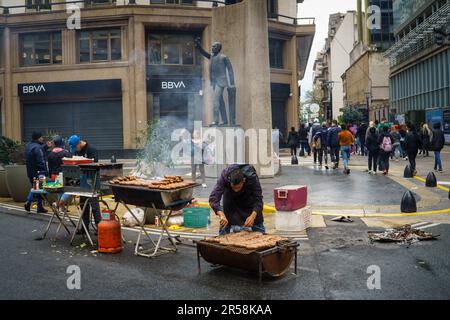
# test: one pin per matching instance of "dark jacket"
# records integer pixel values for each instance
(412, 142)
(333, 137)
(425, 137)
(238, 206)
(34, 157)
(88, 152)
(55, 160)
(361, 132)
(303, 135)
(438, 140)
(323, 135)
(293, 139)
(372, 142)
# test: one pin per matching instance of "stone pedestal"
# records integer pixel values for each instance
(226, 145)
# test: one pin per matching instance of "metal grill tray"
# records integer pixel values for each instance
(144, 197)
(274, 261)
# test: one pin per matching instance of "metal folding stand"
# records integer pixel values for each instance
(89, 195)
(157, 249)
(55, 213)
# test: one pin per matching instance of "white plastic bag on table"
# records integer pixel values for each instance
(130, 221)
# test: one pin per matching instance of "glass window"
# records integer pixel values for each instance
(276, 53)
(99, 45)
(40, 48)
(170, 49)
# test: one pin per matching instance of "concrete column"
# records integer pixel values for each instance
(9, 114)
(207, 89)
(243, 30)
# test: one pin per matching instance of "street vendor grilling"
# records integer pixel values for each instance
(242, 199)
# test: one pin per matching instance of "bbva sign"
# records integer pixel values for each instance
(33, 88)
(169, 85)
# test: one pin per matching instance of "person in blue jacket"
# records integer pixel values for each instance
(35, 162)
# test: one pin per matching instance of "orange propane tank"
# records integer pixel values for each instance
(109, 233)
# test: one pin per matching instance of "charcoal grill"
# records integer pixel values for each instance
(273, 261)
(171, 200)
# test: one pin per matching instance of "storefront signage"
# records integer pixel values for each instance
(174, 85)
(446, 122)
(70, 89)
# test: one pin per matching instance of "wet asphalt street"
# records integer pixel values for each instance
(333, 265)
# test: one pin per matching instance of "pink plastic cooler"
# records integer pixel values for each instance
(290, 198)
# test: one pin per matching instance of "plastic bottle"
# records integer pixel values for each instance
(208, 226)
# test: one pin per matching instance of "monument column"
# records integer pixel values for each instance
(242, 29)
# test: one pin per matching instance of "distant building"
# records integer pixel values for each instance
(420, 68)
(366, 81)
(131, 62)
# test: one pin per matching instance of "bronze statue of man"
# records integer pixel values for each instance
(221, 77)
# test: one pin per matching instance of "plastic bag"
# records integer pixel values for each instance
(130, 221)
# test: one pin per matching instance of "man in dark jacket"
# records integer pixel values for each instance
(34, 157)
(437, 144)
(333, 143)
(82, 148)
(412, 143)
(242, 199)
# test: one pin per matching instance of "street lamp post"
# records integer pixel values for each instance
(330, 85)
(368, 100)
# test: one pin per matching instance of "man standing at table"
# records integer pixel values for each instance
(82, 148)
(241, 191)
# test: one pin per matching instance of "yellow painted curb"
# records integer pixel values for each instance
(368, 215)
(439, 186)
(266, 209)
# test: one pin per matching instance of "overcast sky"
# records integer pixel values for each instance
(320, 9)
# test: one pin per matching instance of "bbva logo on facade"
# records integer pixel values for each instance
(33, 88)
(172, 85)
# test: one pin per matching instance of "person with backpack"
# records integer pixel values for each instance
(56, 155)
(293, 141)
(412, 143)
(373, 149)
(320, 142)
(346, 140)
(437, 144)
(386, 142)
(333, 143)
(312, 132)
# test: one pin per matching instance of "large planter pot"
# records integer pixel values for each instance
(17, 182)
(4, 193)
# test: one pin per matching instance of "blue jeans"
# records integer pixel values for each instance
(437, 160)
(31, 197)
(345, 151)
(257, 228)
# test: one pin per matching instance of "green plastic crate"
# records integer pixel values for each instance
(196, 217)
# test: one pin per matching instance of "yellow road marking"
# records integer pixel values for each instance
(439, 186)
(368, 215)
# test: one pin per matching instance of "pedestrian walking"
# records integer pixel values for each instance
(425, 136)
(437, 144)
(373, 149)
(412, 143)
(386, 142)
(197, 157)
(293, 141)
(303, 139)
(361, 134)
(346, 140)
(402, 132)
(397, 150)
(312, 132)
(333, 143)
(321, 144)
